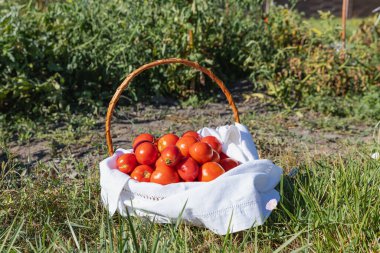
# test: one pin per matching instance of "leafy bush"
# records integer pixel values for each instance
(306, 62)
(77, 52)
(84, 48)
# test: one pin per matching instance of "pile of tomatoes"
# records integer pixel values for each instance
(172, 159)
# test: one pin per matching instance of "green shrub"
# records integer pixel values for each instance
(84, 48)
(306, 62)
(78, 52)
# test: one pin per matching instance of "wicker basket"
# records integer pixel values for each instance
(232, 202)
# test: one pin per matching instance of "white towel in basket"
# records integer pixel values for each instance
(237, 200)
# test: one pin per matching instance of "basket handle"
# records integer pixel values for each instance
(136, 72)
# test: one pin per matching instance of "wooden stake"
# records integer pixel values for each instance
(268, 4)
(344, 19)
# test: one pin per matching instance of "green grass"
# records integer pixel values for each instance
(330, 205)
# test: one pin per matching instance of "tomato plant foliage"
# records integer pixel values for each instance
(84, 48)
(78, 52)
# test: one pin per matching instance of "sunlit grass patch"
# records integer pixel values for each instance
(331, 204)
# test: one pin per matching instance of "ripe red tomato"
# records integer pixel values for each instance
(184, 143)
(188, 169)
(215, 156)
(171, 156)
(160, 162)
(210, 171)
(164, 175)
(142, 138)
(142, 173)
(194, 134)
(166, 141)
(228, 163)
(201, 152)
(213, 142)
(146, 153)
(223, 156)
(126, 163)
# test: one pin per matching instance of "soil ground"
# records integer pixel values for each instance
(275, 132)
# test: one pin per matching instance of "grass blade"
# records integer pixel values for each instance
(110, 235)
(133, 232)
(245, 238)
(228, 234)
(179, 218)
(155, 244)
(73, 234)
(5, 239)
(18, 230)
(7, 235)
(283, 246)
(302, 248)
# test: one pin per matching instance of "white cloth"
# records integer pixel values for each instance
(235, 201)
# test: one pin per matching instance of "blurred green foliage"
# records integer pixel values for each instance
(307, 61)
(77, 52)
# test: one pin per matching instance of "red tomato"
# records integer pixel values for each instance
(156, 141)
(126, 163)
(213, 142)
(188, 169)
(166, 141)
(146, 153)
(184, 144)
(142, 173)
(210, 171)
(228, 163)
(223, 156)
(194, 134)
(201, 152)
(142, 138)
(171, 156)
(215, 156)
(160, 162)
(164, 175)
